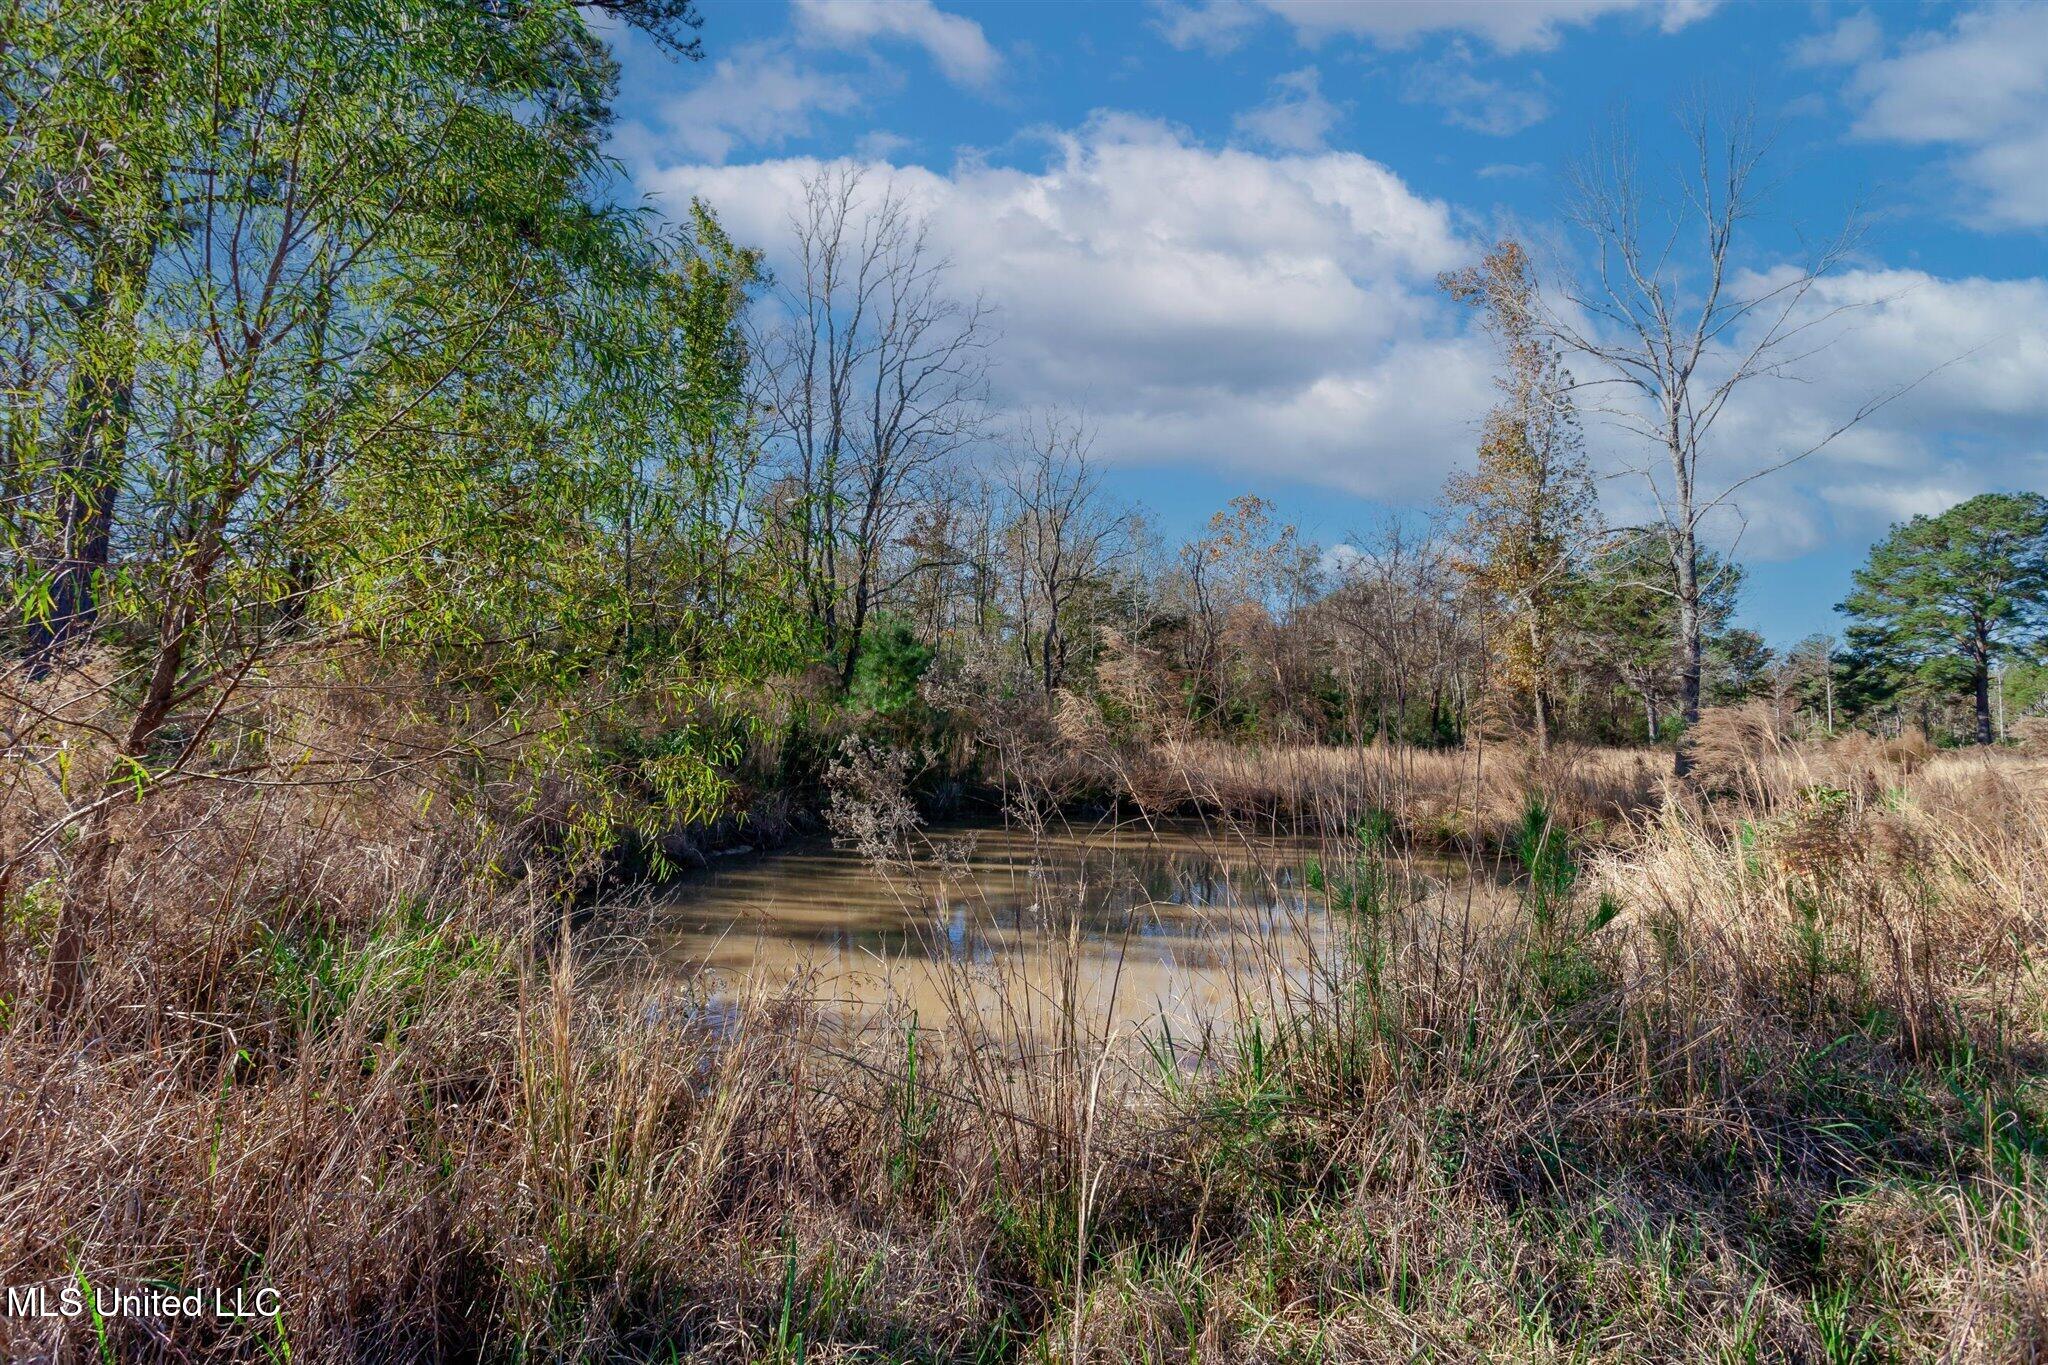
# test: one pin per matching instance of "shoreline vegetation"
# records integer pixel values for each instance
(1748, 1075)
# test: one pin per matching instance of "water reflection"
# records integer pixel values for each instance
(1127, 923)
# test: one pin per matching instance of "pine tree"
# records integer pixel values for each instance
(1944, 597)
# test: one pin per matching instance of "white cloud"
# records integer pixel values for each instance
(1275, 316)
(1215, 26)
(1973, 351)
(1989, 71)
(1505, 25)
(1520, 26)
(1472, 101)
(878, 144)
(1297, 117)
(2013, 172)
(1896, 501)
(1856, 38)
(956, 44)
(1979, 86)
(758, 97)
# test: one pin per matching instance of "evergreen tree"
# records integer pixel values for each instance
(1944, 597)
(1625, 610)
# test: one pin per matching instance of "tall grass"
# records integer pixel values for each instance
(1450, 798)
(1754, 1073)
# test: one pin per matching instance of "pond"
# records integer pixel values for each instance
(1119, 925)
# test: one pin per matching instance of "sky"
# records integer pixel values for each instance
(1214, 228)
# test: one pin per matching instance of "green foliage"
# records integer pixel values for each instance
(1958, 582)
(369, 360)
(1623, 612)
(1545, 853)
(916, 1110)
(1738, 666)
(892, 661)
(1560, 962)
(1943, 597)
(1364, 881)
(2024, 684)
(317, 974)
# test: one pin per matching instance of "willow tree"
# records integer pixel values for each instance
(96, 102)
(387, 381)
(1529, 506)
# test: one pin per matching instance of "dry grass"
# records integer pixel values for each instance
(1780, 1097)
(1441, 798)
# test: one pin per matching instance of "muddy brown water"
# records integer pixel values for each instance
(1123, 926)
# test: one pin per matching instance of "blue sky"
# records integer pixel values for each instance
(1214, 226)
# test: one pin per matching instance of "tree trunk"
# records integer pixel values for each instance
(851, 659)
(84, 890)
(1685, 564)
(1690, 652)
(862, 600)
(91, 447)
(1983, 681)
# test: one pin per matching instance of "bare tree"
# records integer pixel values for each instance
(1061, 540)
(1225, 586)
(877, 377)
(1675, 330)
(1400, 624)
(1812, 664)
(957, 533)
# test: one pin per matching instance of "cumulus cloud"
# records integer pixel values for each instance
(1269, 315)
(1526, 25)
(955, 44)
(1275, 316)
(1297, 117)
(1215, 26)
(1853, 39)
(1980, 86)
(758, 97)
